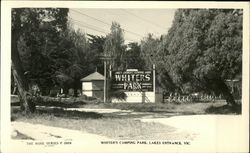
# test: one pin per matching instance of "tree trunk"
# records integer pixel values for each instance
(228, 96)
(225, 91)
(18, 73)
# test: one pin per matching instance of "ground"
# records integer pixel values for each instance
(56, 120)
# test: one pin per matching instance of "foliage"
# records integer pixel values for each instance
(114, 46)
(38, 33)
(133, 57)
(51, 51)
(204, 48)
(77, 46)
(225, 109)
(201, 50)
(31, 28)
(96, 46)
(120, 95)
(152, 52)
(149, 50)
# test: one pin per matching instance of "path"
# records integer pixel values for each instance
(203, 126)
(213, 132)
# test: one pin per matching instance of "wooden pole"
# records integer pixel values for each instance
(154, 82)
(104, 89)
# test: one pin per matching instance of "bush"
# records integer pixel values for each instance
(120, 95)
(53, 93)
(71, 92)
(225, 109)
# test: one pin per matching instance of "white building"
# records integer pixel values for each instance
(92, 85)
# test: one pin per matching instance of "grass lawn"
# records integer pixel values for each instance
(94, 123)
(113, 125)
(190, 108)
(218, 107)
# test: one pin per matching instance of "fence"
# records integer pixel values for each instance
(177, 98)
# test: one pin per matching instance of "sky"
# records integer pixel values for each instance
(137, 23)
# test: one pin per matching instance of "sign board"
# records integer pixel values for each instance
(132, 80)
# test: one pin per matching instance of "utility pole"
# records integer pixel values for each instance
(105, 76)
(154, 82)
(105, 58)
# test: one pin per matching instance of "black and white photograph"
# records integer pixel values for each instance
(126, 79)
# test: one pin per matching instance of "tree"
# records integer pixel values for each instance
(149, 49)
(204, 48)
(114, 46)
(152, 52)
(133, 57)
(83, 58)
(77, 47)
(115, 49)
(30, 28)
(96, 47)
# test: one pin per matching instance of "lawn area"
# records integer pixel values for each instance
(217, 107)
(95, 123)
(114, 125)
(188, 108)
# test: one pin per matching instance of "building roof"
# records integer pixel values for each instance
(93, 76)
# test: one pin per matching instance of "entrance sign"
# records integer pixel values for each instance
(132, 80)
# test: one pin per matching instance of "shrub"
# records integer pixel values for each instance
(71, 92)
(53, 93)
(120, 95)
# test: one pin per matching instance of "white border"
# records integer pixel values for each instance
(224, 144)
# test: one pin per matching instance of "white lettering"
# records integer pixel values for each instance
(118, 77)
(147, 77)
(124, 77)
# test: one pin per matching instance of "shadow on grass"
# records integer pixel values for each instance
(76, 104)
(62, 104)
(55, 112)
(225, 109)
(70, 114)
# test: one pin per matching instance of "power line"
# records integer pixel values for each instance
(81, 22)
(91, 27)
(105, 22)
(143, 19)
(95, 29)
(91, 17)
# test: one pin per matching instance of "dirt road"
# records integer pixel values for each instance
(209, 130)
(203, 126)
